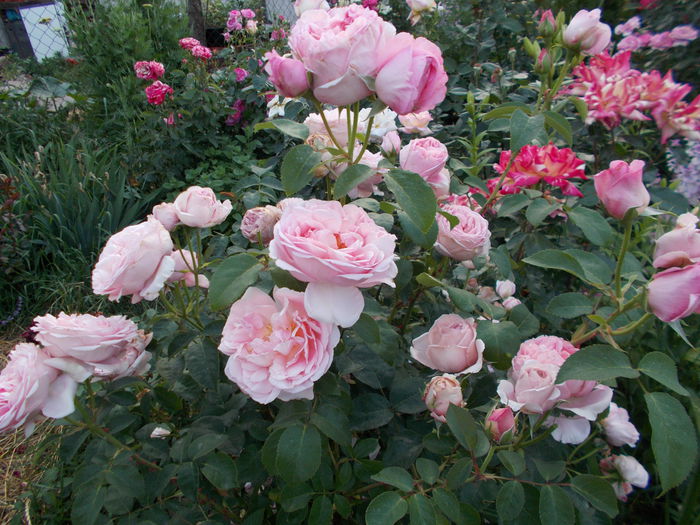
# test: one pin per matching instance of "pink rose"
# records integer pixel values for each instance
(499, 422)
(198, 207)
(251, 27)
(247, 13)
(287, 74)
(587, 32)
(201, 52)
(675, 293)
(620, 187)
(682, 35)
(241, 74)
(29, 386)
(510, 302)
(416, 123)
(337, 250)
(185, 264)
(450, 346)
(259, 223)
(618, 428)
(661, 40)
(426, 157)
(471, 238)
(505, 288)
(680, 246)
(301, 6)
(628, 27)
(156, 92)
(440, 393)
(135, 261)
(277, 351)
(166, 214)
(631, 473)
(411, 76)
(339, 48)
(188, 43)
(391, 143)
(149, 70)
(630, 43)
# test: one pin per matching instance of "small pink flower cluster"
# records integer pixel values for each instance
(196, 48)
(613, 90)
(236, 19)
(278, 34)
(634, 40)
(158, 91)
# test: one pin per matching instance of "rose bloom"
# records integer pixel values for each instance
(510, 302)
(469, 239)
(247, 13)
(384, 122)
(301, 6)
(259, 223)
(673, 115)
(277, 351)
(339, 48)
(156, 92)
(680, 246)
(149, 70)
(201, 52)
(198, 207)
(188, 43)
(287, 74)
(337, 121)
(587, 32)
(251, 27)
(621, 188)
(391, 143)
(440, 393)
(411, 76)
(337, 250)
(185, 263)
(505, 288)
(499, 422)
(682, 35)
(618, 428)
(241, 74)
(631, 472)
(675, 293)
(418, 8)
(28, 387)
(166, 214)
(416, 123)
(426, 157)
(450, 346)
(135, 261)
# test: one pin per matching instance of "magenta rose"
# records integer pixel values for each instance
(587, 33)
(469, 239)
(166, 214)
(259, 223)
(499, 422)
(198, 207)
(411, 76)
(337, 250)
(426, 157)
(188, 43)
(185, 264)
(201, 52)
(276, 350)
(450, 346)
(620, 187)
(675, 293)
(440, 393)
(135, 261)
(156, 92)
(680, 246)
(287, 74)
(619, 430)
(149, 70)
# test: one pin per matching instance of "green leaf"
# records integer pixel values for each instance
(297, 167)
(368, 329)
(459, 472)
(595, 269)
(453, 220)
(414, 196)
(538, 210)
(350, 178)
(525, 130)
(555, 506)
(510, 500)
(558, 260)
(386, 509)
(502, 341)
(462, 425)
(421, 510)
(593, 224)
(570, 305)
(597, 491)
(449, 505)
(202, 361)
(298, 453)
(424, 240)
(559, 124)
(512, 203)
(321, 511)
(370, 411)
(596, 363)
(673, 438)
(504, 110)
(513, 461)
(581, 106)
(527, 323)
(333, 423)
(428, 470)
(550, 470)
(87, 504)
(295, 496)
(202, 445)
(221, 471)
(288, 127)
(427, 280)
(662, 368)
(396, 477)
(231, 279)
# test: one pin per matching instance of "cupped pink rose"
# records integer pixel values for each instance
(426, 157)
(631, 473)
(587, 32)
(680, 246)
(469, 239)
(621, 188)
(198, 207)
(201, 52)
(287, 74)
(441, 392)
(619, 430)
(416, 123)
(185, 263)
(247, 13)
(29, 386)
(149, 70)
(675, 293)
(301, 6)
(339, 47)
(135, 261)
(166, 214)
(411, 76)
(188, 43)
(505, 288)
(276, 349)
(450, 345)
(499, 422)
(337, 250)
(258, 223)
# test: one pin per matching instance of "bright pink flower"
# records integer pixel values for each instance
(198, 207)
(241, 74)
(166, 214)
(586, 32)
(450, 346)
(499, 422)
(441, 392)
(620, 187)
(278, 34)
(675, 293)
(259, 223)
(680, 246)
(287, 74)
(156, 92)
(188, 43)
(277, 350)
(661, 40)
(631, 473)
(337, 250)
(370, 4)
(233, 23)
(618, 428)
(149, 70)
(185, 263)
(427, 157)
(673, 115)
(201, 52)
(238, 108)
(469, 239)
(247, 13)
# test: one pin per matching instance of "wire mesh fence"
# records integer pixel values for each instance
(37, 29)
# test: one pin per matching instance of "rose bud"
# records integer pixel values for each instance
(499, 422)
(198, 207)
(259, 223)
(450, 346)
(441, 392)
(505, 288)
(620, 187)
(287, 74)
(587, 33)
(618, 428)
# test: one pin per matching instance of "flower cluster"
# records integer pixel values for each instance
(634, 39)
(157, 91)
(686, 170)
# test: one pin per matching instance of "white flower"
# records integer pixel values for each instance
(618, 428)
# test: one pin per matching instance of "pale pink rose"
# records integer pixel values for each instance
(680, 246)
(258, 223)
(188, 43)
(247, 13)
(301, 6)
(29, 386)
(426, 157)
(682, 35)
(185, 263)
(510, 302)
(419, 8)
(160, 433)
(277, 350)
(450, 346)
(675, 293)
(156, 92)
(166, 214)
(368, 187)
(570, 430)
(628, 27)
(630, 43)
(505, 288)
(440, 393)
(287, 74)
(135, 261)
(587, 32)
(499, 422)
(338, 123)
(469, 239)
(391, 143)
(619, 430)
(631, 472)
(150, 70)
(621, 188)
(198, 207)
(337, 250)
(201, 52)
(411, 76)
(339, 48)
(251, 27)
(416, 123)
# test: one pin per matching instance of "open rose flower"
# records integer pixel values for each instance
(450, 346)
(156, 92)
(337, 250)
(188, 43)
(427, 157)
(440, 393)
(276, 350)
(416, 123)
(469, 239)
(621, 188)
(150, 70)
(201, 52)
(135, 261)
(198, 207)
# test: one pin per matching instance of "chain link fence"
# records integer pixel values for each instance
(35, 29)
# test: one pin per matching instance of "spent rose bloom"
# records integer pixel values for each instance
(29, 386)
(621, 188)
(619, 430)
(276, 349)
(418, 8)
(469, 239)
(135, 261)
(301, 6)
(450, 345)
(201, 52)
(156, 92)
(188, 43)
(680, 246)
(287, 74)
(166, 214)
(675, 293)
(499, 422)
(426, 157)
(631, 472)
(149, 70)
(587, 32)
(259, 223)
(185, 263)
(198, 207)
(441, 392)
(337, 250)
(416, 123)
(411, 76)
